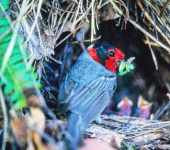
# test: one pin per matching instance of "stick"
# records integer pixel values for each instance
(152, 53)
(5, 122)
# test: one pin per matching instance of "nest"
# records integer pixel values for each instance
(130, 132)
(49, 19)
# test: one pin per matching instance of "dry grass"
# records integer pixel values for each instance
(69, 16)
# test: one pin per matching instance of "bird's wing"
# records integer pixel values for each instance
(86, 104)
(89, 101)
(66, 60)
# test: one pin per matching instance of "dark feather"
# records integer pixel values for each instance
(87, 104)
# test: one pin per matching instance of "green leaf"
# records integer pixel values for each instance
(17, 76)
(5, 4)
(8, 89)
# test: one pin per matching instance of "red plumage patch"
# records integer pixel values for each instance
(111, 63)
(119, 55)
(93, 54)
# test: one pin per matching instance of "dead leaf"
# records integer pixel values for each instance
(19, 129)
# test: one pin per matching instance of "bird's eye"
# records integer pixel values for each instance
(111, 53)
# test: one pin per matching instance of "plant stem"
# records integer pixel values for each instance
(5, 122)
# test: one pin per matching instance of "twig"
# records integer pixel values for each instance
(149, 35)
(152, 53)
(5, 122)
(162, 110)
(119, 11)
(153, 44)
(36, 19)
(152, 22)
(87, 41)
(164, 7)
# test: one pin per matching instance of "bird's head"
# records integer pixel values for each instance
(112, 58)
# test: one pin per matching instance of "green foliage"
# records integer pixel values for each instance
(5, 4)
(16, 75)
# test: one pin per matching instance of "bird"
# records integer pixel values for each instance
(125, 106)
(89, 85)
(143, 108)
